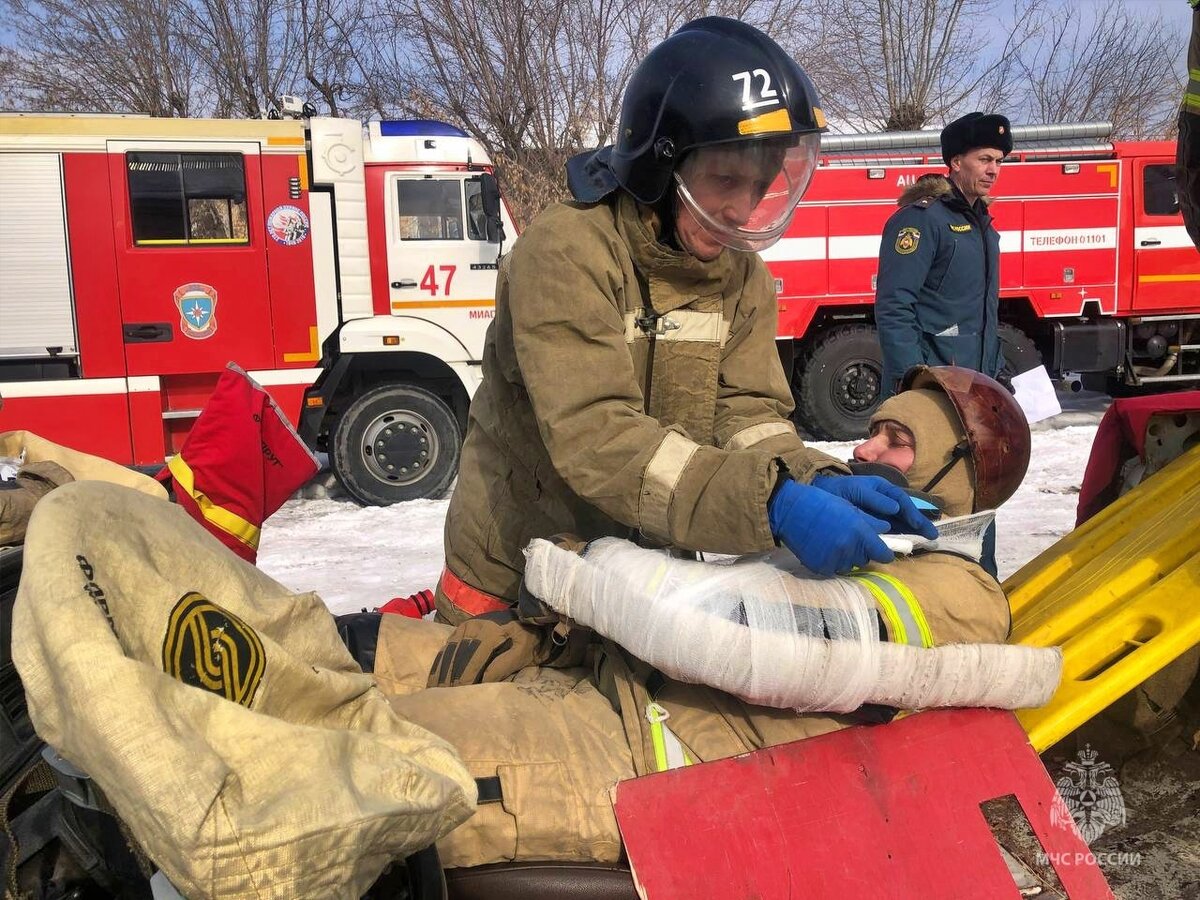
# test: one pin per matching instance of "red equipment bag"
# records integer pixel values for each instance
(240, 462)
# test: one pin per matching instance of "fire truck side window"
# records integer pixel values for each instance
(187, 198)
(1160, 191)
(430, 209)
(476, 220)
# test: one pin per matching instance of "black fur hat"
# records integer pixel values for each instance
(976, 130)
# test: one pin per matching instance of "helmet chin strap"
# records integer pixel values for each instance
(961, 451)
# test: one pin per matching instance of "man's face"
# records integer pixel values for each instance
(890, 444)
(728, 185)
(976, 172)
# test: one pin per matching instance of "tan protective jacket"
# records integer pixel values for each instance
(558, 740)
(629, 390)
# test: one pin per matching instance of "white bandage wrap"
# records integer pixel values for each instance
(773, 634)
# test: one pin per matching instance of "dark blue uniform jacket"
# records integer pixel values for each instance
(938, 287)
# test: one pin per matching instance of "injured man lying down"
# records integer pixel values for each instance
(618, 661)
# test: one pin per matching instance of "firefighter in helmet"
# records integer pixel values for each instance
(631, 385)
(939, 260)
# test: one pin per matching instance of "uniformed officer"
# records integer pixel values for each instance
(939, 262)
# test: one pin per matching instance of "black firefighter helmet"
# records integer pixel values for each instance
(715, 81)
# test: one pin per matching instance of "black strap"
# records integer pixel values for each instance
(961, 451)
(489, 789)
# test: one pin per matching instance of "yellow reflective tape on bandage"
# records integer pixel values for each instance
(229, 522)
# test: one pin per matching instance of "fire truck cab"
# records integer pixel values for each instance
(139, 255)
(1097, 275)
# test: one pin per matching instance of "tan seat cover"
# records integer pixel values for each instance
(219, 712)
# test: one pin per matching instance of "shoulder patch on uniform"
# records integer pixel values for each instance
(907, 240)
(966, 226)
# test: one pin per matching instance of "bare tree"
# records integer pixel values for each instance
(901, 66)
(101, 55)
(536, 81)
(184, 57)
(249, 48)
(335, 52)
(1118, 67)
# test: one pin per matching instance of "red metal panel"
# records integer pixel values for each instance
(92, 423)
(290, 265)
(887, 811)
(798, 261)
(1009, 219)
(1166, 268)
(381, 301)
(93, 265)
(289, 398)
(854, 246)
(1079, 235)
(150, 276)
(146, 430)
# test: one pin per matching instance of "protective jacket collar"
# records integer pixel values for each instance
(675, 278)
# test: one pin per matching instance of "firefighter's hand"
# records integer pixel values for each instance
(826, 533)
(879, 498)
(487, 648)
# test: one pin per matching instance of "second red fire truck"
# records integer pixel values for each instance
(139, 255)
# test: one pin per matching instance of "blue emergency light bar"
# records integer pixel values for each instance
(418, 128)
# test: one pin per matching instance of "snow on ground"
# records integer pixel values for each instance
(357, 557)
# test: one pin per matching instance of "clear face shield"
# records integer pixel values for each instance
(744, 193)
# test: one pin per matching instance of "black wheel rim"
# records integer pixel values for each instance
(399, 447)
(855, 390)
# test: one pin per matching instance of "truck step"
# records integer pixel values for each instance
(1155, 379)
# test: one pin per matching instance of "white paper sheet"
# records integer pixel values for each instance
(1036, 395)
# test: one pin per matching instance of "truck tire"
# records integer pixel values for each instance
(1018, 352)
(836, 385)
(396, 442)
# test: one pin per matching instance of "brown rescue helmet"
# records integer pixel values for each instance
(995, 428)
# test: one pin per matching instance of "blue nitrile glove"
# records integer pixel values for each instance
(878, 497)
(825, 532)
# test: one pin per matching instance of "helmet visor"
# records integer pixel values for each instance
(744, 193)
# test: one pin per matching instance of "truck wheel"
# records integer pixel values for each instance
(836, 386)
(1018, 352)
(395, 443)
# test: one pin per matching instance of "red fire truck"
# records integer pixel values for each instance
(139, 255)
(1098, 278)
